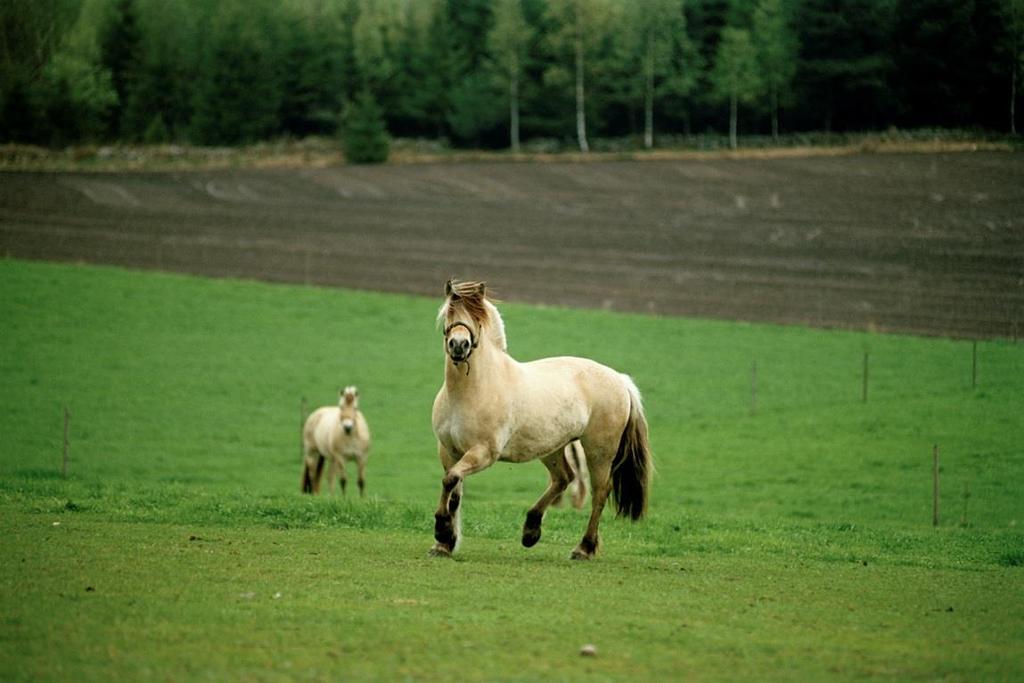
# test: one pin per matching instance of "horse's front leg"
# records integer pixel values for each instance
(361, 464)
(560, 478)
(342, 475)
(332, 474)
(447, 517)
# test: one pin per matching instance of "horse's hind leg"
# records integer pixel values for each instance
(560, 478)
(312, 468)
(600, 487)
(307, 477)
(319, 473)
(577, 460)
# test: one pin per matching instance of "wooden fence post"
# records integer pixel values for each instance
(967, 494)
(753, 389)
(974, 365)
(864, 383)
(64, 454)
(302, 425)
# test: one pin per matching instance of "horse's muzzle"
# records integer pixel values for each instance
(459, 349)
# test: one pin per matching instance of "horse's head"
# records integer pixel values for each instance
(464, 315)
(348, 406)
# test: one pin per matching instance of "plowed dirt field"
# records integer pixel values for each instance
(921, 243)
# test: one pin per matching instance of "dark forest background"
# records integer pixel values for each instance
(495, 73)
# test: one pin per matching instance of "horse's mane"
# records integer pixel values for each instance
(468, 299)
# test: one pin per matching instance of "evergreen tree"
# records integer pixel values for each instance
(120, 52)
(238, 93)
(470, 23)
(440, 63)
(159, 97)
(312, 75)
(734, 77)
(74, 94)
(475, 108)
(364, 134)
(372, 58)
(844, 65)
(31, 31)
(934, 61)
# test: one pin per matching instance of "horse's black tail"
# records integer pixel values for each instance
(633, 466)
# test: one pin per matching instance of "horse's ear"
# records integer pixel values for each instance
(481, 288)
(448, 288)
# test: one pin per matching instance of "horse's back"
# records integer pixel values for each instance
(317, 432)
(589, 378)
(579, 397)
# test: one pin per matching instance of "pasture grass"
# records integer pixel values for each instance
(792, 543)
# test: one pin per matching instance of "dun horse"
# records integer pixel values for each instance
(339, 434)
(493, 408)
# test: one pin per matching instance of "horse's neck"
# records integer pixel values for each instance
(487, 366)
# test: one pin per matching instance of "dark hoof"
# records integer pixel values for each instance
(531, 529)
(585, 550)
(579, 554)
(444, 532)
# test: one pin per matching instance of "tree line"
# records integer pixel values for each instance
(499, 73)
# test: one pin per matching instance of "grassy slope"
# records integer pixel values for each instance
(794, 543)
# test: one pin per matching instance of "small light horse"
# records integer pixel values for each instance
(492, 408)
(339, 433)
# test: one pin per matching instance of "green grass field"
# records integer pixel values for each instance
(795, 543)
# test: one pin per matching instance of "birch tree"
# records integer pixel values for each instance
(734, 77)
(654, 42)
(777, 48)
(507, 42)
(581, 27)
(1013, 12)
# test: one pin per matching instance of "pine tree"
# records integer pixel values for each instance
(120, 53)
(312, 74)
(845, 64)
(238, 95)
(162, 82)
(364, 134)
